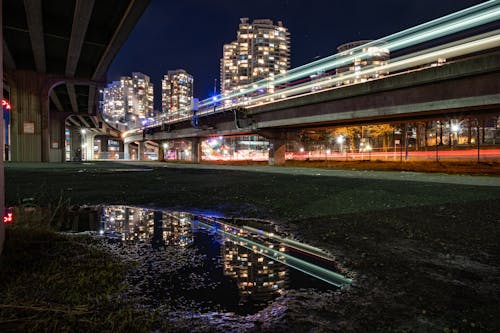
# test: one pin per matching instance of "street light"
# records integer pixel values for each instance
(340, 141)
(83, 153)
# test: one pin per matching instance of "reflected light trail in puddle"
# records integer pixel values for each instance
(286, 259)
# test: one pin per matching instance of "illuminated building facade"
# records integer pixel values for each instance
(177, 92)
(128, 100)
(261, 51)
(377, 56)
(258, 277)
(131, 224)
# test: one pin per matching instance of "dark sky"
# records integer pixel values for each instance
(190, 34)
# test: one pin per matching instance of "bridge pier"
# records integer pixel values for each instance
(141, 148)
(76, 142)
(57, 137)
(161, 151)
(88, 146)
(29, 125)
(277, 150)
(126, 151)
(196, 150)
(277, 144)
(104, 148)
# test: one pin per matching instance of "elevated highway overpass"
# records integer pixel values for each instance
(467, 87)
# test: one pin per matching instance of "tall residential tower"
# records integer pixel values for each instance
(261, 51)
(177, 92)
(129, 99)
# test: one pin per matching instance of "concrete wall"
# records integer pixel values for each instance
(26, 111)
(56, 151)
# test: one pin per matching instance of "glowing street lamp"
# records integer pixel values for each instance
(340, 141)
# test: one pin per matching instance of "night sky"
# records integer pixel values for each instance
(190, 34)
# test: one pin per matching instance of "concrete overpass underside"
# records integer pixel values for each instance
(56, 54)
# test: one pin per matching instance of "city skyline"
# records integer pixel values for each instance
(316, 31)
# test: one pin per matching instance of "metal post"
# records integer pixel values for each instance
(477, 138)
(406, 142)
(2, 189)
(437, 147)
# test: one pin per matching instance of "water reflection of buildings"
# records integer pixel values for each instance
(259, 278)
(252, 255)
(132, 224)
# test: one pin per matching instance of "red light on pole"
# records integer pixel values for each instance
(5, 104)
(8, 218)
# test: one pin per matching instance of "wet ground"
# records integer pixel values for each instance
(423, 250)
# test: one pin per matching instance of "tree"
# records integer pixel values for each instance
(381, 130)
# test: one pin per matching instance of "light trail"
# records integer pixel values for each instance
(463, 20)
(308, 268)
(411, 61)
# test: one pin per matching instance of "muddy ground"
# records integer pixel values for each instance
(425, 255)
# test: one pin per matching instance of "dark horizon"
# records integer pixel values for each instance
(190, 35)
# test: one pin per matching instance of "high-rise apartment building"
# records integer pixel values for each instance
(177, 92)
(261, 51)
(128, 100)
(365, 57)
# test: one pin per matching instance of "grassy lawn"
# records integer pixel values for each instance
(61, 283)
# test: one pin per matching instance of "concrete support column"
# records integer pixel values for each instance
(126, 151)
(57, 136)
(195, 150)
(29, 127)
(88, 146)
(104, 148)
(141, 148)
(277, 150)
(161, 151)
(277, 144)
(75, 143)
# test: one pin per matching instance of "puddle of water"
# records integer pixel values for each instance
(241, 265)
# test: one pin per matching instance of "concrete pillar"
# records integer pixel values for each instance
(75, 143)
(277, 150)
(277, 144)
(88, 146)
(161, 151)
(104, 148)
(195, 150)
(57, 136)
(126, 151)
(140, 150)
(28, 143)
